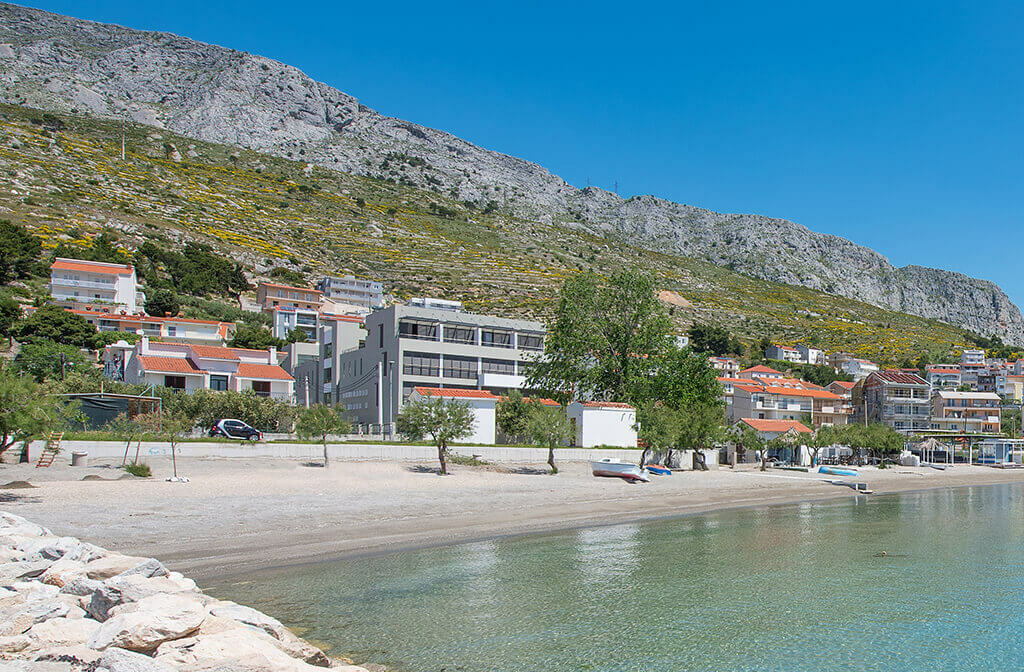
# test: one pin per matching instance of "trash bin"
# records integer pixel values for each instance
(79, 459)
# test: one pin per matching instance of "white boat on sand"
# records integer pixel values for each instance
(619, 469)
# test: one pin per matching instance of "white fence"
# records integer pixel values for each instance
(344, 451)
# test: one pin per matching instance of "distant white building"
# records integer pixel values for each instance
(972, 357)
(943, 376)
(859, 368)
(783, 353)
(727, 365)
(171, 329)
(354, 291)
(603, 423)
(809, 355)
(76, 283)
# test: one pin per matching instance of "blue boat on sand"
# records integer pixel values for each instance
(836, 471)
(658, 469)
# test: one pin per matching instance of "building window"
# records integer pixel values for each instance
(218, 383)
(380, 335)
(172, 331)
(421, 364)
(531, 342)
(422, 331)
(495, 338)
(174, 382)
(498, 366)
(460, 367)
(454, 333)
(261, 388)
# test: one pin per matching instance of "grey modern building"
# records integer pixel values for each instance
(414, 345)
(352, 290)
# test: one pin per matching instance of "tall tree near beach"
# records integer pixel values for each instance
(548, 426)
(685, 379)
(658, 426)
(443, 421)
(744, 438)
(605, 340)
(512, 414)
(700, 427)
(25, 411)
(320, 421)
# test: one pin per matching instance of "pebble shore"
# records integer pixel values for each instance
(70, 606)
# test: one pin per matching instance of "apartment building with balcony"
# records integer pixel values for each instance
(433, 345)
(898, 399)
(783, 353)
(844, 390)
(728, 366)
(972, 357)
(170, 329)
(290, 308)
(348, 289)
(943, 376)
(190, 367)
(75, 283)
(966, 412)
(786, 399)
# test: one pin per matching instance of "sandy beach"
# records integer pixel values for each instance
(236, 515)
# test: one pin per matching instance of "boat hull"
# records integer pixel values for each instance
(626, 470)
(834, 471)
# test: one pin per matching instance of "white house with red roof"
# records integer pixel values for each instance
(727, 365)
(190, 367)
(859, 368)
(171, 329)
(943, 376)
(481, 403)
(603, 423)
(783, 353)
(760, 371)
(786, 399)
(76, 283)
(772, 429)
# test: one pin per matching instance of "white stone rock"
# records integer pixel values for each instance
(63, 631)
(111, 565)
(14, 643)
(120, 660)
(255, 648)
(126, 588)
(146, 624)
(63, 571)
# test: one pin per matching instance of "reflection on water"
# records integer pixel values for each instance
(802, 587)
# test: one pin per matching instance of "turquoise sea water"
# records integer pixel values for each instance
(777, 588)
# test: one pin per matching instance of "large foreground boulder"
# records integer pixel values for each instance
(286, 640)
(120, 660)
(238, 648)
(144, 625)
(112, 565)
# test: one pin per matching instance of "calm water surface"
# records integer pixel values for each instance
(778, 588)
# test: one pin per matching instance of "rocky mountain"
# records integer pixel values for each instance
(221, 95)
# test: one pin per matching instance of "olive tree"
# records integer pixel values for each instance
(319, 421)
(443, 421)
(548, 426)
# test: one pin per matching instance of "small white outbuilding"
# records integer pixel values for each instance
(603, 423)
(481, 403)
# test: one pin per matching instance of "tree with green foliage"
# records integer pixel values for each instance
(46, 359)
(103, 248)
(700, 427)
(196, 270)
(296, 336)
(206, 407)
(170, 426)
(53, 323)
(163, 302)
(10, 312)
(605, 339)
(685, 378)
(443, 421)
(20, 252)
(823, 437)
(511, 415)
(255, 338)
(288, 276)
(744, 438)
(320, 421)
(548, 426)
(714, 340)
(27, 410)
(658, 427)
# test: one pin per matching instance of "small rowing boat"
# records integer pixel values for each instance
(619, 469)
(658, 469)
(836, 471)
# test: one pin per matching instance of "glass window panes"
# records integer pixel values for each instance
(421, 364)
(531, 342)
(454, 333)
(498, 366)
(424, 331)
(496, 338)
(460, 367)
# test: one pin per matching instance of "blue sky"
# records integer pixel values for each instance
(897, 125)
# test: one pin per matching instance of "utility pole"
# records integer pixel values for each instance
(380, 399)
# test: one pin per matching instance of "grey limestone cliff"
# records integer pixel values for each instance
(221, 95)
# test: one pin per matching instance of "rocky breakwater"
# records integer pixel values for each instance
(68, 605)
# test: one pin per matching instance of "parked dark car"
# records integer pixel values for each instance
(235, 429)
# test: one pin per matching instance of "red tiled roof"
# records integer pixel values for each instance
(846, 384)
(213, 352)
(606, 404)
(90, 267)
(776, 425)
(455, 393)
(142, 318)
(262, 371)
(152, 364)
(943, 370)
(726, 379)
(343, 318)
(760, 368)
(801, 392)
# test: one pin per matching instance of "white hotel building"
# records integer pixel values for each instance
(75, 283)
